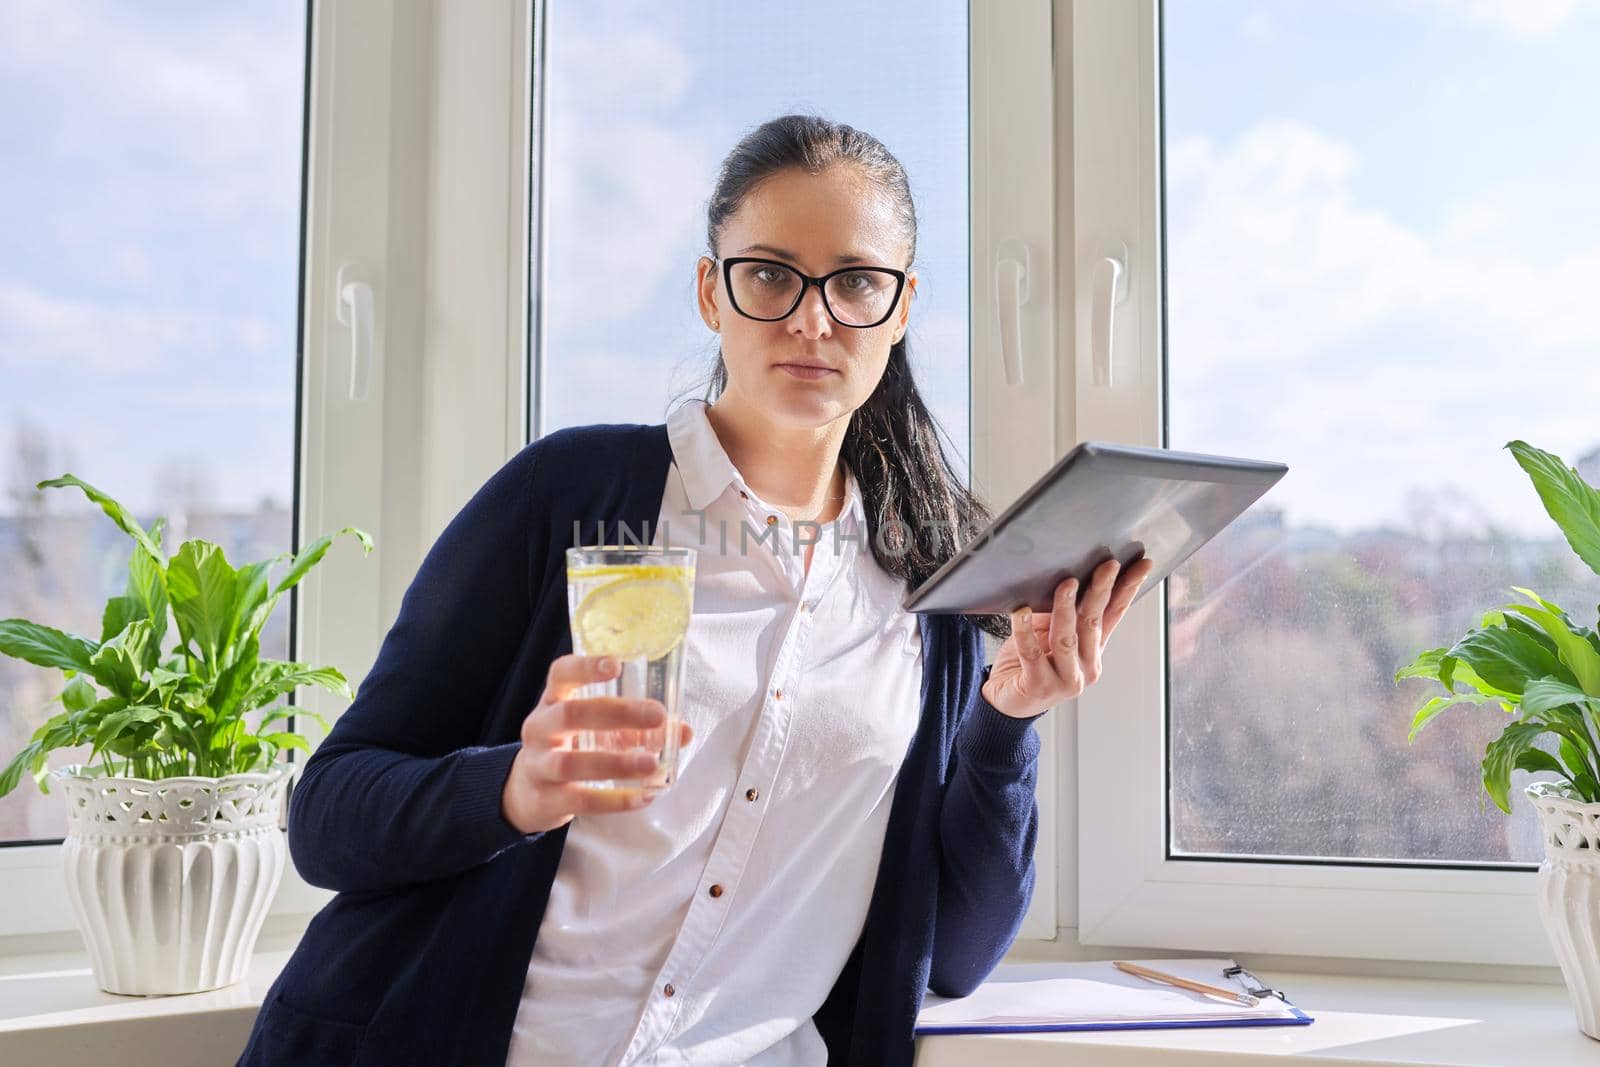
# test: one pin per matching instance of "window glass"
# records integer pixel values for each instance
(150, 166)
(643, 101)
(1381, 240)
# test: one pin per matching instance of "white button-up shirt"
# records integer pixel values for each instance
(708, 927)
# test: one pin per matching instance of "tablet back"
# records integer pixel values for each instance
(1100, 500)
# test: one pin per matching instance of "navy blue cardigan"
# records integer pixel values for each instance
(421, 956)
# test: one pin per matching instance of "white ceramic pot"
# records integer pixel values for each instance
(1569, 894)
(171, 879)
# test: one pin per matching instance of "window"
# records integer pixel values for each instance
(642, 102)
(639, 105)
(148, 311)
(1374, 274)
(1370, 270)
(443, 171)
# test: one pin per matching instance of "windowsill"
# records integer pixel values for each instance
(51, 1012)
(1358, 1020)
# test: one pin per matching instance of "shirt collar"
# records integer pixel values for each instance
(707, 471)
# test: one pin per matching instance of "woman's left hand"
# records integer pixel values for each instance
(1051, 658)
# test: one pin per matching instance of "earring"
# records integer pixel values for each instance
(715, 325)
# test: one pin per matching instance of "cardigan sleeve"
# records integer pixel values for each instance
(987, 826)
(399, 792)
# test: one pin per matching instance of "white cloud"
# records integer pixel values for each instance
(1368, 354)
(213, 95)
(1526, 18)
(130, 264)
(626, 178)
(37, 329)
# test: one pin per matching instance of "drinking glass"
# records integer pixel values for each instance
(632, 603)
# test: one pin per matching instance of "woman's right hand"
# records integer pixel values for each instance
(542, 791)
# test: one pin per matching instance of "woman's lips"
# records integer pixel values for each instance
(808, 373)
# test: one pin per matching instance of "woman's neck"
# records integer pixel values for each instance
(796, 471)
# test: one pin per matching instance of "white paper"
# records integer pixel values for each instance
(1099, 993)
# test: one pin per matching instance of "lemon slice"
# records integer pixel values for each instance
(634, 617)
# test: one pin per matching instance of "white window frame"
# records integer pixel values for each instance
(1017, 425)
(418, 185)
(424, 212)
(1128, 893)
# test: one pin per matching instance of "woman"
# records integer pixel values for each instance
(854, 817)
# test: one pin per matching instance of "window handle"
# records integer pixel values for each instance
(355, 309)
(1110, 289)
(1010, 293)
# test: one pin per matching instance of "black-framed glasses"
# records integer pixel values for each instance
(767, 290)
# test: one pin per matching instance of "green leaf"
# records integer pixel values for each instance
(275, 714)
(119, 663)
(120, 611)
(1546, 693)
(1507, 659)
(250, 596)
(118, 513)
(1571, 502)
(1540, 601)
(167, 683)
(1582, 777)
(1577, 744)
(228, 735)
(1432, 708)
(235, 681)
(201, 585)
(110, 728)
(1426, 665)
(1447, 671)
(1528, 629)
(1579, 656)
(286, 740)
(45, 647)
(79, 695)
(312, 555)
(1501, 755)
(19, 763)
(1537, 760)
(286, 677)
(147, 584)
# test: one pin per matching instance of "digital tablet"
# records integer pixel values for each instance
(1098, 502)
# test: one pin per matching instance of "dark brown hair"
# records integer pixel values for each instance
(913, 495)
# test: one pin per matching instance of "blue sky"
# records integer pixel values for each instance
(646, 99)
(149, 194)
(1383, 237)
(1383, 244)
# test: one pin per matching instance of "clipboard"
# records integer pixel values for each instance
(1099, 501)
(1097, 996)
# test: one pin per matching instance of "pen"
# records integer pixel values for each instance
(1196, 987)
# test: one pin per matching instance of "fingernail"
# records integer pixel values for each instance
(642, 761)
(607, 665)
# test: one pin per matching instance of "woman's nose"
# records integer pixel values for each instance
(811, 317)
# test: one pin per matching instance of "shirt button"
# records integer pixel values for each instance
(772, 520)
(743, 495)
(777, 695)
(715, 890)
(751, 794)
(669, 990)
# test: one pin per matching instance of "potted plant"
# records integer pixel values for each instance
(1535, 664)
(173, 852)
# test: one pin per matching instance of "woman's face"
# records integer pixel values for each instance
(815, 223)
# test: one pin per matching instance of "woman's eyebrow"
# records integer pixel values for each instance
(850, 257)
